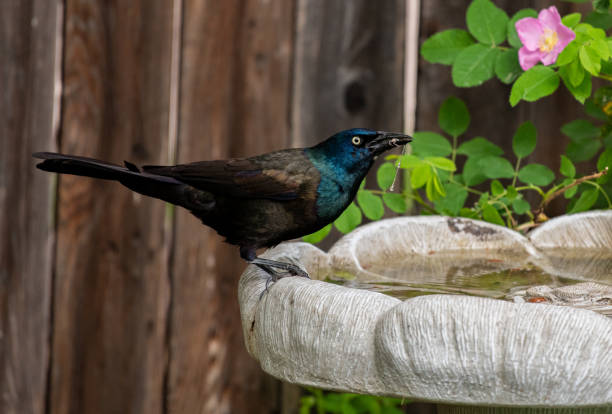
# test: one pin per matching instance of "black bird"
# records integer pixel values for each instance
(258, 201)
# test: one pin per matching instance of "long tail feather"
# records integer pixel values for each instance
(158, 186)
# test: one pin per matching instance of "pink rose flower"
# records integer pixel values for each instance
(543, 38)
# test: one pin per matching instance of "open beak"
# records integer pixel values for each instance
(387, 140)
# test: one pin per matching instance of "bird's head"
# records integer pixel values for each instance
(354, 147)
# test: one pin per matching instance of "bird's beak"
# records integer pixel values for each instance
(386, 140)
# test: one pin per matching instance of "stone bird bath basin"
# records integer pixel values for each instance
(468, 353)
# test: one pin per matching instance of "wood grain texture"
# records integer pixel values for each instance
(111, 288)
(235, 84)
(28, 56)
(492, 115)
(348, 68)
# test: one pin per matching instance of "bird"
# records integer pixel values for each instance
(256, 202)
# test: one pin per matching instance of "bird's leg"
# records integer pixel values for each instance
(269, 266)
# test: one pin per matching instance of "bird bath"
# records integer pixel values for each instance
(462, 313)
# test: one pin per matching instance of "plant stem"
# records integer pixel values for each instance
(516, 168)
(453, 154)
(578, 181)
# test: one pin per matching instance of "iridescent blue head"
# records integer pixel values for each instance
(356, 148)
(343, 160)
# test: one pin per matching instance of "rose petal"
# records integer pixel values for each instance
(550, 18)
(550, 57)
(565, 35)
(528, 58)
(529, 31)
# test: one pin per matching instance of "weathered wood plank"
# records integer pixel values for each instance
(235, 84)
(348, 68)
(29, 66)
(111, 288)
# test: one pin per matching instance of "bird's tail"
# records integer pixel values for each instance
(153, 185)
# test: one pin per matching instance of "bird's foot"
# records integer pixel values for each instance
(286, 270)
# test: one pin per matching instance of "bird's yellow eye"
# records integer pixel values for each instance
(356, 140)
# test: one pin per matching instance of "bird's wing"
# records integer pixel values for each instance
(243, 178)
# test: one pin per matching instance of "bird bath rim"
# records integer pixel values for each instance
(451, 349)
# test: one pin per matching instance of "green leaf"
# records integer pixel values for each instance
(496, 167)
(600, 46)
(490, 214)
(580, 130)
(507, 67)
(472, 172)
(349, 219)
(468, 212)
(511, 193)
(420, 175)
(441, 163)
(571, 20)
(586, 201)
(536, 174)
(570, 192)
(513, 38)
(453, 201)
(395, 202)
(496, 188)
(319, 235)
(409, 161)
(524, 140)
(579, 151)
(582, 90)
(590, 59)
(434, 189)
(453, 117)
(430, 144)
(601, 20)
(594, 110)
(568, 55)
(567, 167)
(520, 206)
(385, 175)
(537, 82)
(605, 160)
(371, 204)
(601, 6)
(443, 47)
(478, 147)
(596, 33)
(474, 65)
(487, 22)
(574, 72)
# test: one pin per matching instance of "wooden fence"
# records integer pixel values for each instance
(114, 303)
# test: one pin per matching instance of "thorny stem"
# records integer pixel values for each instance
(578, 181)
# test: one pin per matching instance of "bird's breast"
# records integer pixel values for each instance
(332, 199)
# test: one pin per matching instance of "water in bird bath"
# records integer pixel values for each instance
(584, 281)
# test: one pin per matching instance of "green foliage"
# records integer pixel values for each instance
(321, 402)
(486, 22)
(474, 65)
(489, 48)
(524, 140)
(444, 47)
(454, 117)
(537, 82)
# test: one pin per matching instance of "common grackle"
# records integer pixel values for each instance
(258, 201)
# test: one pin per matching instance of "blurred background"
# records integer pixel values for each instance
(115, 303)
